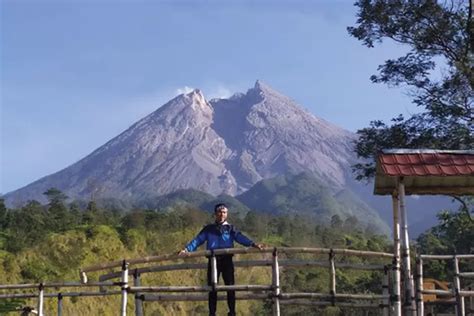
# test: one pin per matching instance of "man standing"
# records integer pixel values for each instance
(220, 235)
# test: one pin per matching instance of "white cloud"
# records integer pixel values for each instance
(219, 92)
(184, 90)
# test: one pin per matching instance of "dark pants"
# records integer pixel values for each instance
(226, 267)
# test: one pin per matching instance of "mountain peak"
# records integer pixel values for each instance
(196, 97)
(262, 90)
(220, 146)
(261, 86)
(196, 94)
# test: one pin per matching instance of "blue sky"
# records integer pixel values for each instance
(74, 74)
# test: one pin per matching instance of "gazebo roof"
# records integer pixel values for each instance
(425, 171)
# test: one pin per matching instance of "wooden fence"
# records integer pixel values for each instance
(133, 268)
(457, 291)
(130, 268)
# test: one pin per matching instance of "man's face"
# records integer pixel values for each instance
(221, 215)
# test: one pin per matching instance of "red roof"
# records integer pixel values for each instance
(425, 171)
(426, 164)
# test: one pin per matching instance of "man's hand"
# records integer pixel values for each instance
(182, 252)
(259, 246)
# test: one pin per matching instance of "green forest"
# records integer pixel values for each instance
(51, 242)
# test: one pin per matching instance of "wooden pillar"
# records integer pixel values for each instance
(419, 286)
(60, 304)
(460, 310)
(409, 305)
(396, 299)
(138, 296)
(123, 310)
(276, 283)
(40, 299)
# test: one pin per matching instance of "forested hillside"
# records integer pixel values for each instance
(52, 242)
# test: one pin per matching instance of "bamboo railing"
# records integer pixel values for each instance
(272, 291)
(457, 292)
(142, 293)
(133, 268)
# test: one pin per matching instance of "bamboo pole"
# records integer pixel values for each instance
(86, 294)
(471, 301)
(200, 297)
(239, 264)
(207, 253)
(206, 288)
(244, 287)
(439, 292)
(285, 296)
(173, 256)
(276, 283)
(466, 274)
(397, 308)
(385, 291)
(457, 288)
(54, 295)
(447, 257)
(337, 251)
(324, 304)
(213, 271)
(332, 277)
(138, 300)
(183, 266)
(162, 268)
(40, 300)
(408, 277)
(123, 310)
(419, 287)
(60, 304)
(55, 285)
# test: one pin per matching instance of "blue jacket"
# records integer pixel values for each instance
(218, 237)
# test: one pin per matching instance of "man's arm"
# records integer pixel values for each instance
(196, 242)
(244, 240)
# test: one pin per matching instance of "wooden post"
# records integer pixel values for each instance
(123, 311)
(332, 277)
(276, 283)
(419, 287)
(385, 291)
(138, 296)
(396, 299)
(408, 278)
(460, 310)
(60, 304)
(213, 270)
(40, 299)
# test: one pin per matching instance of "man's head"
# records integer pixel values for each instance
(220, 212)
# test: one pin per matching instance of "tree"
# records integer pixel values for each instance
(59, 216)
(438, 71)
(453, 234)
(26, 226)
(3, 215)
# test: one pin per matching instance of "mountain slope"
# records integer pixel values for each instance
(305, 194)
(222, 146)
